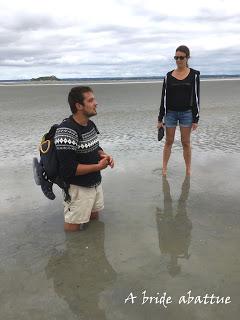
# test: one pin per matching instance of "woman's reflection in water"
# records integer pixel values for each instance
(174, 228)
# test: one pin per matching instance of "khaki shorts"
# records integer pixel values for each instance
(83, 201)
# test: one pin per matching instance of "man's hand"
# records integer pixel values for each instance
(108, 158)
(103, 163)
(194, 126)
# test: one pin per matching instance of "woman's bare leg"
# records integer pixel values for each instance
(187, 152)
(170, 134)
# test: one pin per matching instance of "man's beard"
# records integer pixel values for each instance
(89, 115)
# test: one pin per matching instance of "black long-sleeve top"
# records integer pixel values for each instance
(181, 95)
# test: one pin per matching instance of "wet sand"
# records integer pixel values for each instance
(160, 235)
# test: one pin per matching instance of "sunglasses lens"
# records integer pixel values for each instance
(179, 57)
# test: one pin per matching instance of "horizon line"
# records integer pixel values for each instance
(117, 78)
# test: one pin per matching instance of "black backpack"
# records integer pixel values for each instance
(46, 171)
(48, 154)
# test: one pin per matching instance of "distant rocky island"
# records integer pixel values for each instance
(46, 78)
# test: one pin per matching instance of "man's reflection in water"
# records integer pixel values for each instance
(81, 272)
(174, 230)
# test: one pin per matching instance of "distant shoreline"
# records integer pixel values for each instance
(41, 80)
(93, 81)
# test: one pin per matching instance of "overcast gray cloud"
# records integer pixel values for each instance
(116, 38)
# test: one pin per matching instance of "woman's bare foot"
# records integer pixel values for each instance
(164, 171)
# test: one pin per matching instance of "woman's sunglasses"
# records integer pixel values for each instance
(179, 57)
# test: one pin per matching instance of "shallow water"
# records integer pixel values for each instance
(160, 235)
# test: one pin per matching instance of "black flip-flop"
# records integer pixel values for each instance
(160, 133)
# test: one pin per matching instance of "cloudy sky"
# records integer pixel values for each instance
(76, 38)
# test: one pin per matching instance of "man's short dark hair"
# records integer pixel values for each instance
(76, 95)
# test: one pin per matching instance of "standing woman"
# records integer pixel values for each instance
(180, 103)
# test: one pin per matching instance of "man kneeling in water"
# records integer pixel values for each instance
(81, 159)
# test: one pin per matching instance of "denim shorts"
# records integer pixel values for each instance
(183, 117)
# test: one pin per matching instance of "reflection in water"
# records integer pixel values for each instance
(174, 230)
(82, 272)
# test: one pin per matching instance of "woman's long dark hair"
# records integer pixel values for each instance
(184, 49)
